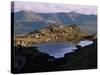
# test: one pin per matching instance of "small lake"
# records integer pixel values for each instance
(58, 49)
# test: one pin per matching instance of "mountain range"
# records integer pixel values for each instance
(27, 21)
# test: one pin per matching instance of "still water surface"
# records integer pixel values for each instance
(58, 49)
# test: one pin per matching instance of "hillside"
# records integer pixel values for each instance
(53, 33)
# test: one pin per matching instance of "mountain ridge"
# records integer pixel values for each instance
(40, 20)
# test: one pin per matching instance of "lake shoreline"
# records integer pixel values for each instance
(53, 33)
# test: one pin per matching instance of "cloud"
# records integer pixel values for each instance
(53, 7)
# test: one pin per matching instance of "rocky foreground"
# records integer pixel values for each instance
(29, 59)
(52, 33)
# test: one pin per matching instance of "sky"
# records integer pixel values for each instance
(53, 7)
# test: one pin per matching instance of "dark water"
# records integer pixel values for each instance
(58, 49)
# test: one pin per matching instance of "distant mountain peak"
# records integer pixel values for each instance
(28, 16)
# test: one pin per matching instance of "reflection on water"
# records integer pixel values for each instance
(85, 43)
(58, 49)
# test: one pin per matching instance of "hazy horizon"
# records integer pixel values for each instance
(40, 7)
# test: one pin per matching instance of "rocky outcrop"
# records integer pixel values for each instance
(54, 32)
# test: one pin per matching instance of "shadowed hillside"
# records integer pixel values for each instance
(29, 59)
